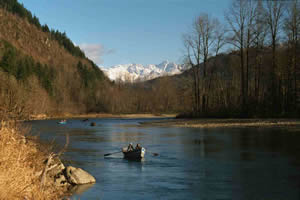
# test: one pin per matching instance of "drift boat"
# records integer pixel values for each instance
(136, 154)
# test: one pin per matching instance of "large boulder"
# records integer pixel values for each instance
(77, 176)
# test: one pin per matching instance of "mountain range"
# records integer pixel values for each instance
(139, 72)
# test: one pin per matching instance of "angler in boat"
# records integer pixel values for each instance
(129, 152)
(134, 153)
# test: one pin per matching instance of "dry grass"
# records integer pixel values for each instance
(21, 162)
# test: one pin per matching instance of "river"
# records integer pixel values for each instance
(216, 163)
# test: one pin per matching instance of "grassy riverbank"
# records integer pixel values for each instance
(215, 123)
(21, 165)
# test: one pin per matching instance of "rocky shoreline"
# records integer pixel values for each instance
(56, 173)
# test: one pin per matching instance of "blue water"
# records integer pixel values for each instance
(220, 163)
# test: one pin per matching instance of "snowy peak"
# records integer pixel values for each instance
(170, 67)
(139, 72)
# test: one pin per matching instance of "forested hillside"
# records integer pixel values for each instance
(42, 71)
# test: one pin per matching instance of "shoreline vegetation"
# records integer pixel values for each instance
(22, 162)
(99, 115)
(30, 168)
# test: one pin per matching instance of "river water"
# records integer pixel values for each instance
(220, 163)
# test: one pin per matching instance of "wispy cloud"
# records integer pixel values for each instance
(92, 51)
(95, 51)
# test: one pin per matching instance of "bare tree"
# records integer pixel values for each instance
(250, 19)
(191, 43)
(259, 37)
(220, 41)
(273, 16)
(200, 44)
(240, 18)
(292, 30)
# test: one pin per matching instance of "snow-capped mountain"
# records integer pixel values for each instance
(134, 72)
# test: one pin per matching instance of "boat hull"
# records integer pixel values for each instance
(135, 154)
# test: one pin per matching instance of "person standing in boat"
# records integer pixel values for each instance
(138, 147)
(130, 147)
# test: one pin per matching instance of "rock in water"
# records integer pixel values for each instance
(93, 124)
(78, 176)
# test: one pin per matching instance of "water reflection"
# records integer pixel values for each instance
(80, 189)
(126, 137)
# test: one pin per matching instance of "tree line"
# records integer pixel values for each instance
(262, 39)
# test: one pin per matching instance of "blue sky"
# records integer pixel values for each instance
(116, 32)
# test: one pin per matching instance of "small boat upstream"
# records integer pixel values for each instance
(62, 122)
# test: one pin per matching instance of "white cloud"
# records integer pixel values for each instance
(95, 51)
